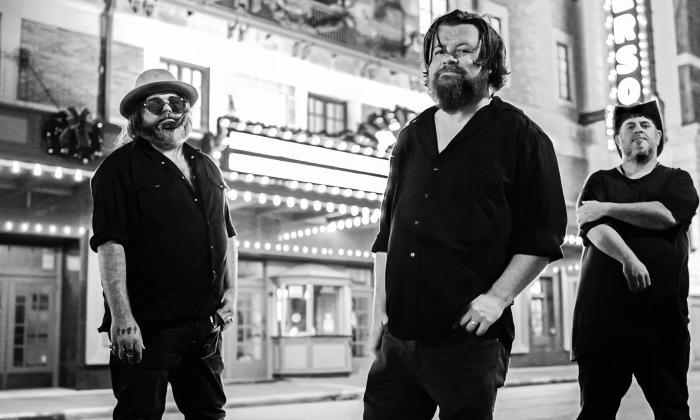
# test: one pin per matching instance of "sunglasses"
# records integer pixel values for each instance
(155, 105)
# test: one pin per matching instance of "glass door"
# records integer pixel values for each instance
(245, 344)
(28, 326)
(29, 316)
(543, 327)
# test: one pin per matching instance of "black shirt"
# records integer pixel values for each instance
(174, 233)
(608, 317)
(452, 221)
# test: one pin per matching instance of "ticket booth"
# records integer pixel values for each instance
(313, 311)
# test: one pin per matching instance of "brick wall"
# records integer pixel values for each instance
(63, 65)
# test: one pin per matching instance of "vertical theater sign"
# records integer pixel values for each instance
(629, 57)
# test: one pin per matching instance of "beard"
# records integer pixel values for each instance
(168, 131)
(642, 157)
(455, 91)
(639, 155)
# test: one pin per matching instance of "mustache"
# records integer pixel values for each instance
(162, 123)
(450, 69)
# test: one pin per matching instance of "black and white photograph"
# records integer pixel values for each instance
(349, 209)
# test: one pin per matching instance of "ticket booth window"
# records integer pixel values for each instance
(360, 325)
(295, 309)
(309, 309)
(326, 300)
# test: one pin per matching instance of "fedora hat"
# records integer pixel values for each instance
(155, 81)
(648, 110)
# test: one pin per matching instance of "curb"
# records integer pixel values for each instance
(293, 398)
(539, 381)
(171, 407)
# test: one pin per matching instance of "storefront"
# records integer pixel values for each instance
(543, 312)
(306, 205)
(43, 225)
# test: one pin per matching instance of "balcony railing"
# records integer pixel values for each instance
(311, 17)
(334, 23)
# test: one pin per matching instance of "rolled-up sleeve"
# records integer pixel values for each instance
(110, 195)
(539, 211)
(230, 229)
(593, 190)
(381, 242)
(680, 198)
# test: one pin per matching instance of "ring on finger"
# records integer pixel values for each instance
(473, 322)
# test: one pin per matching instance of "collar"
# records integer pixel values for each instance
(188, 150)
(622, 170)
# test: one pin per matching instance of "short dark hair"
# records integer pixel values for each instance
(492, 50)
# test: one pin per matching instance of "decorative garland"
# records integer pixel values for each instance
(74, 135)
(374, 134)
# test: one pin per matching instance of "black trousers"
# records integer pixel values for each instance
(605, 380)
(409, 380)
(189, 357)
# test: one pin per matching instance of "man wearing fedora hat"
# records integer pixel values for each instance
(161, 230)
(631, 313)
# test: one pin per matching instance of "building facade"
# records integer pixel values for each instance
(300, 104)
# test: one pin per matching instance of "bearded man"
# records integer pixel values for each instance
(472, 213)
(631, 313)
(162, 229)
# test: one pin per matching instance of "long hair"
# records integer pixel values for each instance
(130, 130)
(492, 50)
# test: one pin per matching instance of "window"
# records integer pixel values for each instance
(360, 325)
(428, 11)
(309, 310)
(199, 78)
(326, 115)
(563, 71)
(253, 99)
(32, 322)
(249, 331)
(543, 324)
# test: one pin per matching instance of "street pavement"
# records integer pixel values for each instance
(546, 393)
(558, 401)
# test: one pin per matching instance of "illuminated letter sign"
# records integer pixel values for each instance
(625, 30)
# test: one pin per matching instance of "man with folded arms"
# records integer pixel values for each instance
(631, 313)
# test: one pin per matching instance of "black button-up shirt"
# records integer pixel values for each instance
(452, 221)
(174, 233)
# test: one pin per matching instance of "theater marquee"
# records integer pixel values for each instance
(629, 56)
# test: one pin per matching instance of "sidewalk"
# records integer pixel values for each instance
(63, 404)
